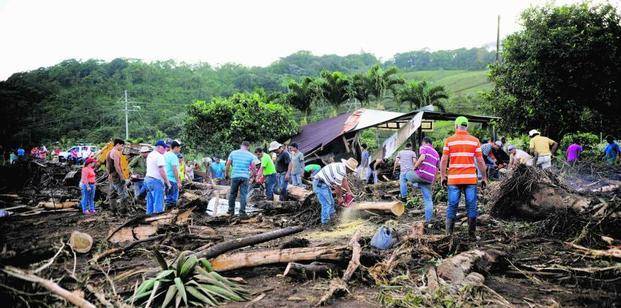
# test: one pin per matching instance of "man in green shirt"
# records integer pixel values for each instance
(138, 169)
(269, 172)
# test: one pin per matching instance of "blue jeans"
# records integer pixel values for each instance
(454, 194)
(403, 183)
(282, 186)
(425, 189)
(155, 195)
(240, 184)
(324, 195)
(139, 189)
(172, 195)
(88, 197)
(296, 180)
(270, 182)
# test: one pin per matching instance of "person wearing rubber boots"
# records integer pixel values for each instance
(460, 153)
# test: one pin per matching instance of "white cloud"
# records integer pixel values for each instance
(37, 33)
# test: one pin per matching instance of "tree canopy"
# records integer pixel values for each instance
(562, 73)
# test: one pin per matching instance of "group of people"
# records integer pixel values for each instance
(465, 164)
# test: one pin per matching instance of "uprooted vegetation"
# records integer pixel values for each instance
(543, 241)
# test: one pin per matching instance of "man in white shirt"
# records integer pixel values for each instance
(332, 175)
(156, 178)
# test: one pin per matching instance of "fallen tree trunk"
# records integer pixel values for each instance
(273, 256)
(395, 207)
(71, 297)
(223, 247)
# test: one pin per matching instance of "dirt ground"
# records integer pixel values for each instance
(537, 269)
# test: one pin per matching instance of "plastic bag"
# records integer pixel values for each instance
(383, 238)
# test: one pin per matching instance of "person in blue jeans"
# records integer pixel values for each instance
(172, 172)
(405, 159)
(332, 175)
(241, 161)
(282, 168)
(155, 178)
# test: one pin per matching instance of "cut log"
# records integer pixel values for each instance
(298, 193)
(395, 207)
(312, 270)
(51, 204)
(223, 247)
(274, 256)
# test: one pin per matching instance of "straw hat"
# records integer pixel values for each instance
(274, 145)
(350, 163)
(145, 149)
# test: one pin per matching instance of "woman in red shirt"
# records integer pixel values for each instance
(87, 185)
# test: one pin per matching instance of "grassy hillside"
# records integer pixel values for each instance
(457, 82)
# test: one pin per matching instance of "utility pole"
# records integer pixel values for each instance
(498, 40)
(127, 111)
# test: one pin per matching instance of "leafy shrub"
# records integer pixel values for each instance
(219, 126)
(589, 142)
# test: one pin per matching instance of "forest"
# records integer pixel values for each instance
(81, 101)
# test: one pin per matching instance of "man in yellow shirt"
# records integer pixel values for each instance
(542, 148)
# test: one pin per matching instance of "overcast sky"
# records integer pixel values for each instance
(36, 33)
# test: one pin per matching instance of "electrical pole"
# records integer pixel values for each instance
(127, 111)
(498, 40)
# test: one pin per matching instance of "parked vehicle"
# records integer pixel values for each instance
(81, 153)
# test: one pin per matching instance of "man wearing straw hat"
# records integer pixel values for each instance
(331, 176)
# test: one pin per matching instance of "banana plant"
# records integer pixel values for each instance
(189, 281)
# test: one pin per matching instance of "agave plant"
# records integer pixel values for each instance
(189, 280)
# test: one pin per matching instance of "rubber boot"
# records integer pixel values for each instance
(450, 225)
(472, 227)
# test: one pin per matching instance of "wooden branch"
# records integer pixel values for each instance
(50, 285)
(273, 256)
(125, 248)
(612, 252)
(223, 247)
(340, 284)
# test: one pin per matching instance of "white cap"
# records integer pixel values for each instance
(145, 149)
(510, 148)
(533, 132)
(273, 146)
(498, 143)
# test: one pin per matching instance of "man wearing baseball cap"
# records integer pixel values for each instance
(459, 155)
(542, 148)
(155, 179)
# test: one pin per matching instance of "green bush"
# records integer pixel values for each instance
(219, 126)
(589, 142)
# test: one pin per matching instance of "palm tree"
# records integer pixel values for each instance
(420, 94)
(361, 88)
(335, 87)
(381, 81)
(302, 94)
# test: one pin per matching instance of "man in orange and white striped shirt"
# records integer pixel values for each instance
(460, 153)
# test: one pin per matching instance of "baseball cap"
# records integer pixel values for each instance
(145, 149)
(498, 143)
(511, 147)
(161, 143)
(461, 121)
(175, 144)
(533, 132)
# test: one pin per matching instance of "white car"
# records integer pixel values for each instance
(84, 151)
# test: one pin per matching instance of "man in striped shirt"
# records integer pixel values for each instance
(334, 176)
(459, 153)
